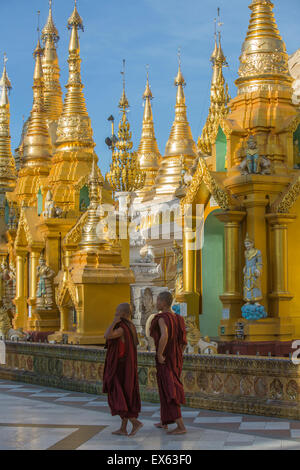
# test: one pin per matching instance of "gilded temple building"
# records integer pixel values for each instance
(50, 235)
(260, 201)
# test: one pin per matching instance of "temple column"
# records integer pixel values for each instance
(232, 297)
(278, 266)
(35, 254)
(190, 295)
(20, 320)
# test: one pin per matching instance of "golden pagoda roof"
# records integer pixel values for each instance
(37, 142)
(7, 164)
(148, 152)
(74, 125)
(52, 89)
(264, 60)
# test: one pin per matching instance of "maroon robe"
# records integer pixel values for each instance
(170, 388)
(120, 380)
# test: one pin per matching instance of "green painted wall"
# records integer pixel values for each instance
(212, 276)
(297, 138)
(6, 212)
(84, 200)
(40, 202)
(221, 150)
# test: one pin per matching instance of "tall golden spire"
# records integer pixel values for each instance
(180, 146)
(37, 142)
(125, 174)
(148, 153)
(74, 125)
(264, 60)
(7, 165)
(52, 91)
(219, 98)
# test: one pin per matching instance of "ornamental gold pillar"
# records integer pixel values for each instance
(232, 297)
(190, 295)
(278, 265)
(34, 259)
(20, 320)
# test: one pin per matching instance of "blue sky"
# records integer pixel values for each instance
(143, 32)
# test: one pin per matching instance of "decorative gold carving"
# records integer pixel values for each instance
(219, 99)
(125, 174)
(263, 63)
(178, 254)
(74, 236)
(286, 201)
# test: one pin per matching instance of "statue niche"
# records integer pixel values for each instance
(254, 163)
(51, 211)
(8, 278)
(252, 310)
(45, 288)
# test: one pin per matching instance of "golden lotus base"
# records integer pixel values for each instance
(268, 329)
(77, 338)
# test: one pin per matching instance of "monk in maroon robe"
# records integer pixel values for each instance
(169, 334)
(120, 380)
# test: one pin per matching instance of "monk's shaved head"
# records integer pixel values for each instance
(124, 310)
(166, 298)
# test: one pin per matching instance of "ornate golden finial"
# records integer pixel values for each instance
(7, 164)
(123, 103)
(148, 92)
(49, 31)
(148, 153)
(264, 60)
(5, 83)
(74, 125)
(219, 96)
(37, 142)
(179, 80)
(125, 174)
(75, 19)
(90, 240)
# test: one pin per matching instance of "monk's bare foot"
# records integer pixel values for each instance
(161, 426)
(120, 432)
(178, 431)
(136, 426)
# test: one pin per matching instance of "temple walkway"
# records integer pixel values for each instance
(39, 418)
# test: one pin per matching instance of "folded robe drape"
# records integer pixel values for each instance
(120, 379)
(171, 390)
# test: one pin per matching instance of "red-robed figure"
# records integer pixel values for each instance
(120, 380)
(169, 334)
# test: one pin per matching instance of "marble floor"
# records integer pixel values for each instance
(40, 418)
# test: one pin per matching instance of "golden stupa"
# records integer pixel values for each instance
(180, 149)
